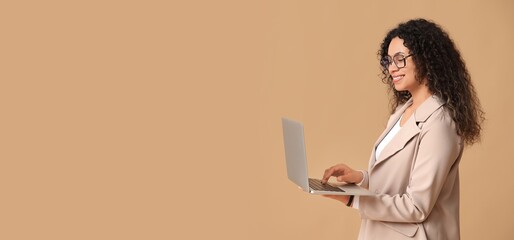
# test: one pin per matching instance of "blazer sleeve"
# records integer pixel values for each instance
(365, 179)
(439, 148)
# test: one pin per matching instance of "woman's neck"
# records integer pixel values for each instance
(420, 95)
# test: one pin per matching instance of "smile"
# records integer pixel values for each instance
(397, 78)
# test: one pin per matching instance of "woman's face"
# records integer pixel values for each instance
(401, 67)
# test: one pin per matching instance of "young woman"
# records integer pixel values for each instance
(414, 165)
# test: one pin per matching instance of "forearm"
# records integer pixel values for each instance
(397, 208)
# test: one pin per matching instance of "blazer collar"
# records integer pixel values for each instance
(428, 107)
(408, 130)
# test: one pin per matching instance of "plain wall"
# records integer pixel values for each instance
(161, 120)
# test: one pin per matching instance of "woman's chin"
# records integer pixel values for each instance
(399, 88)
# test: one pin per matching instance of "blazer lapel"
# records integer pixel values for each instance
(392, 120)
(409, 130)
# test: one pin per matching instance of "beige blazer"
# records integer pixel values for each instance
(416, 178)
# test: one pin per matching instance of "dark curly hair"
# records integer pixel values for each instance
(439, 62)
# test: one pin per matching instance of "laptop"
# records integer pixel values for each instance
(296, 162)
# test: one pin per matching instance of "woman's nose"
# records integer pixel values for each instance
(392, 68)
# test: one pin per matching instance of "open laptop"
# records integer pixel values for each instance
(296, 161)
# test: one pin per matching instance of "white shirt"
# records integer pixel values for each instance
(389, 136)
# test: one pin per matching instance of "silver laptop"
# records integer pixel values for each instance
(296, 161)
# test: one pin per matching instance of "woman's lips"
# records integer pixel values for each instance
(397, 78)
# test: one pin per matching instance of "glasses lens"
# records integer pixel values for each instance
(399, 61)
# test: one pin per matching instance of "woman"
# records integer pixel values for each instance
(414, 165)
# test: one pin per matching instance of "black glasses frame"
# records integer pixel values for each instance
(388, 60)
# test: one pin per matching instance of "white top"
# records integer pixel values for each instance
(390, 135)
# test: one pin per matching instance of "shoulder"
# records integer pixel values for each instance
(433, 117)
(440, 125)
(433, 110)
(439, 138)
(440, 117)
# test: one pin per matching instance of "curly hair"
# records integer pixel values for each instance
(439, 62)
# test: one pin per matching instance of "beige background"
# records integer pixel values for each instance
(161, 119)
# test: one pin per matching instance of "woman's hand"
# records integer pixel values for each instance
(342, 198)
(343, 173)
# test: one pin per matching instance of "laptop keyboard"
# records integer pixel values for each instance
(315, 184)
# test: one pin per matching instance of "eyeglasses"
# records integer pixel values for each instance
(398, 59)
